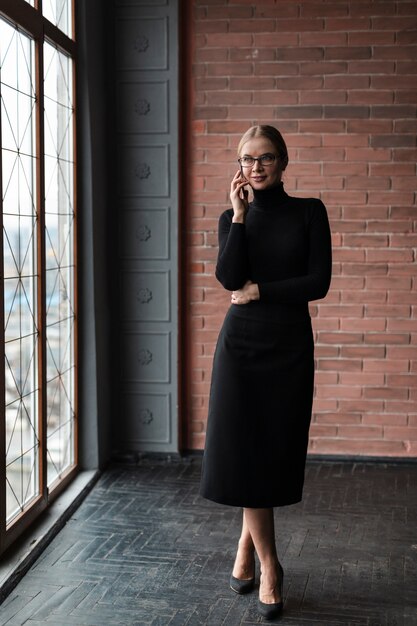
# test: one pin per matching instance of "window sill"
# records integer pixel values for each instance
(19, 558)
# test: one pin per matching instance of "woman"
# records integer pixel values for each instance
(274, 256)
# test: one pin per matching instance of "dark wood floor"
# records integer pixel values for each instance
(144, 548)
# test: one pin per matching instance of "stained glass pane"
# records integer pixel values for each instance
(59, 238)
(59, 12)
(20, 267)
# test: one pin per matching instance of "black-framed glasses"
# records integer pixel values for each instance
(264, 159)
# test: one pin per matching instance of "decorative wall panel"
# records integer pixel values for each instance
(143, 45)
(146, 357)
(144, 171)
(141, 3)
(147, 418)
(145, 234)
(146, 129)
(145, 296)
(139, 113)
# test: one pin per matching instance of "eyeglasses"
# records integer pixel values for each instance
(265, 159)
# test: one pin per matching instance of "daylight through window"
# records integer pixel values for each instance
(37, 121)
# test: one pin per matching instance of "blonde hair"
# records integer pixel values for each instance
(271, 133)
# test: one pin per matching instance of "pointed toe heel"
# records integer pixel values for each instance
(271, 611)
(242, 586)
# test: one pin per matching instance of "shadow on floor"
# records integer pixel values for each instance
(144, 548)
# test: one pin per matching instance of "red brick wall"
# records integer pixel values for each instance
(339, 79)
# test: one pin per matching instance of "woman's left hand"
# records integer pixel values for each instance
(248, 292)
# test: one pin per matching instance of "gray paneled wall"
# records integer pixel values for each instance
(146, 68)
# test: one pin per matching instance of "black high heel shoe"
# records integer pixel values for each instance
(239, 585)
(271, 611)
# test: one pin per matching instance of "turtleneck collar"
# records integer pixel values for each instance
(269, 199)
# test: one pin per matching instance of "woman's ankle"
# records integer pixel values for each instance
(269, 566)
(246, 546)
(244, 566)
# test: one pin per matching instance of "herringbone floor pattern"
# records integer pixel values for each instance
(144, 548)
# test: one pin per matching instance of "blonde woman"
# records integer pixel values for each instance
(274, 257)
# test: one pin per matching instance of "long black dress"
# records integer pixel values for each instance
(263, 370)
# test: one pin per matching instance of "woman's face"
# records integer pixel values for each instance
(261, 176)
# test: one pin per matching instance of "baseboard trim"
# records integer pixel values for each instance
(368, 459)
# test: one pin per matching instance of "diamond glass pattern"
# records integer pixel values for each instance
(59, 12)
(20, 268)
(59, 237)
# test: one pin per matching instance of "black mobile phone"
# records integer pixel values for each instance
(245, 192)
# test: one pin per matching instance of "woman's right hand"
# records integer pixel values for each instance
(239, 197)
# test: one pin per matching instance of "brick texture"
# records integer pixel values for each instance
(339, 79)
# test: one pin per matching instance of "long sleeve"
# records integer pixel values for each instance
(315, 283)
(232, 269)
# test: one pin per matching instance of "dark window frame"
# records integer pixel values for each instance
(30, 21)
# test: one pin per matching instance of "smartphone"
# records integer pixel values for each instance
(245, 192)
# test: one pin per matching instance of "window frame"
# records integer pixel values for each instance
(31, 22)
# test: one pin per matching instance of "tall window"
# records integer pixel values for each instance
(38, 295)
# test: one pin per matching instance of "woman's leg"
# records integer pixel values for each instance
(244, 567)
(260, 526)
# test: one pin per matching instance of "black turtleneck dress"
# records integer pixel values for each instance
(263, 370)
